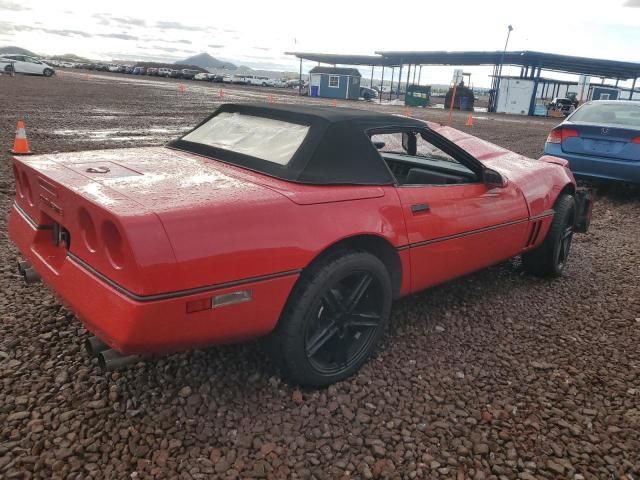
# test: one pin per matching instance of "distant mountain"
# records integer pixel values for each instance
(204, 60)
(70, 57)
(18, 50)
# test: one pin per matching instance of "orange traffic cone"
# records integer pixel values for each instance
(334, 103)
(270, 98)
(469, 120)
(20, 145)
(181, 88)
(406, 112)
(221, 93)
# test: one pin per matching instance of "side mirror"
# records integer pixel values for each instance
(493, 179)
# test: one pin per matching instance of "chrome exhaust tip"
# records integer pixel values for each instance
(93, 346)
(30, 276)
(110, 360)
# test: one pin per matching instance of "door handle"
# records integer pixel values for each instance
(420, 208)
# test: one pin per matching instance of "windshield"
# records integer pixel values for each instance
(264, 138)
(609, 113)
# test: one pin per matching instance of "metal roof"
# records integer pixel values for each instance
(596, 67)
(353, 72)
(547, 61)
(337, 59)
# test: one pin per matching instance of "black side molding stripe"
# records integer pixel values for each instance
(178, 293)
(30, 220)
(546, 213)
(463, 234)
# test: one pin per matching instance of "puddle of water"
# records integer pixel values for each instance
(118, 135)
(107, 111)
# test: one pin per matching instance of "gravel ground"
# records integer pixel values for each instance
(497, 375)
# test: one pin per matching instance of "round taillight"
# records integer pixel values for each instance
(26, 188)
(114, 245)
(87, 230)
(16, 176)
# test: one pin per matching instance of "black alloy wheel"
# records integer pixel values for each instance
(342, 325)
(550, 258)
(334, 319)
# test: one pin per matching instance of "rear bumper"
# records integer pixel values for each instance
(138, 325)
(597, 167)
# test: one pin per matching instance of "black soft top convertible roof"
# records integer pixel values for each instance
(337, 149)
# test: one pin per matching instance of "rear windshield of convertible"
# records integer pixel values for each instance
(267, 139)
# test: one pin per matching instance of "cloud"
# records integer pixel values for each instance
(168, 49)
(65, 33)
(211, 45)
(107, 19)
(121, 36)
(8, 27)
(12, 6)
(52, 31)
(632, 3)
(103, 18)
(137, 22)
(178, 26)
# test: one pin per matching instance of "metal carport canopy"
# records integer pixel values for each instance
(337, 59)
(548, 61)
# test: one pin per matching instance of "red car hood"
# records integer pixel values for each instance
(535, 178)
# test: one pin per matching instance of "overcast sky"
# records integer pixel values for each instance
(258, 33)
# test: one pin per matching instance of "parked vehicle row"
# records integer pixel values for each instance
(190, 74)
(30, 65)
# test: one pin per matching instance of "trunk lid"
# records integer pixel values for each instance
(602, 141)
(160, 179)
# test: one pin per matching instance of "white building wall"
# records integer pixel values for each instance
(515, 95)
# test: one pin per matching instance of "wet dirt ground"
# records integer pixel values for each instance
(497, 375)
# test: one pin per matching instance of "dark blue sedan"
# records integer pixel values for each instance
(601, 140)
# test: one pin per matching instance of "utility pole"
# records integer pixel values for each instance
(497, 94)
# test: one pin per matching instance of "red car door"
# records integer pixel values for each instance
(456, 229)
(456, 222)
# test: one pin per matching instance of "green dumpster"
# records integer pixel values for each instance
(418, 96)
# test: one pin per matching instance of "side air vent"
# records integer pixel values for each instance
(534, 232)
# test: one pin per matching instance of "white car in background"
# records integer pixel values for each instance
(24, 64)
(258, 81)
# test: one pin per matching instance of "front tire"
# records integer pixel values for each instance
(334, 319)
(47, 72)
(550, 258)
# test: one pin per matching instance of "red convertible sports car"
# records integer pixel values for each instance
(298, 223)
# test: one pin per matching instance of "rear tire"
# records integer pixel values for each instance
(47, 72)
(334, 319)
(550, 258)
